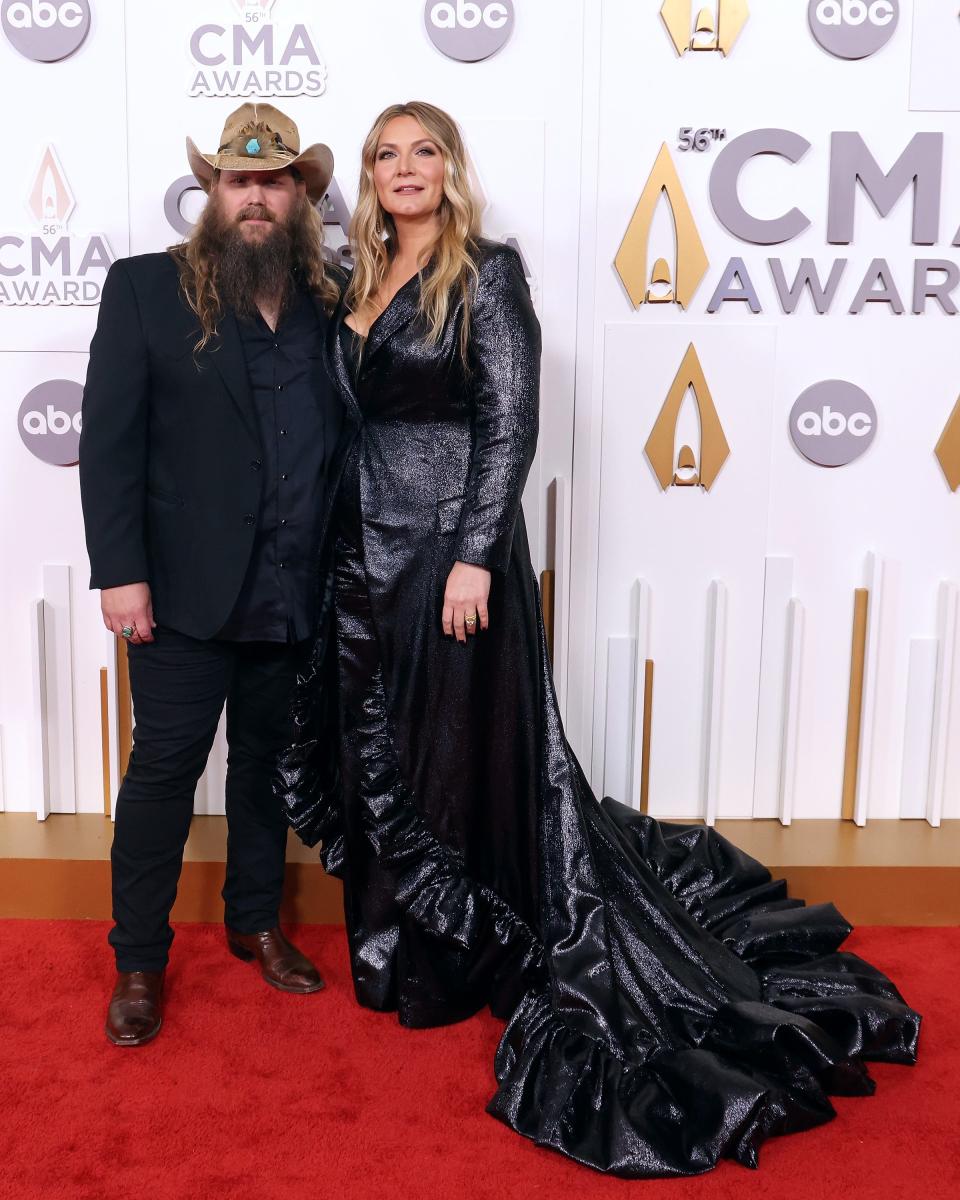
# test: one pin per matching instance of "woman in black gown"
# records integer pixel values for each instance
(667, 1004)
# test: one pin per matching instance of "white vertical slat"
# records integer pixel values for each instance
(210, 797)
(39, 748)
(918, 727)
(641, 633)
(713, 696)
(561, 589)
(58, 643)
(2, 804)
(617, 748)
(786, 784)
(868, 720)
(113, 724)
(948, 621)
(777, 590)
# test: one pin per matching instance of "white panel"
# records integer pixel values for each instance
(59, 685)
(777, 590)
(618, 739)
(918, 727)
(680, 539)
(867, 765)
(791, 711)
(713, 697)
(943, 700)
(39, 748)
(641, 634)
(934, 83)
(2, 803)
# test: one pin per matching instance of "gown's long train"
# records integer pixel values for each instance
(675, 1009)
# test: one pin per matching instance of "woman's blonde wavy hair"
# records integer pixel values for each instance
(373, 234)
(197, 262)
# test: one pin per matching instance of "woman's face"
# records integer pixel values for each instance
(408, 169)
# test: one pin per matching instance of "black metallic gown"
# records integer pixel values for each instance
(667, 1004)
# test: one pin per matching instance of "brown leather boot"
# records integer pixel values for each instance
(281, 963)
(135, 1013)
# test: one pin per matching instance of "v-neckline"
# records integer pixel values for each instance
(364, 337)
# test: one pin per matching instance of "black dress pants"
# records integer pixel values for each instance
(179, 687)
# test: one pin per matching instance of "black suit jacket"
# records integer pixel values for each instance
(169, 449)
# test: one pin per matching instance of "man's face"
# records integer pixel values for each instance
(253, 201)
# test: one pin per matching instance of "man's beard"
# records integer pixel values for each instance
(249, 269)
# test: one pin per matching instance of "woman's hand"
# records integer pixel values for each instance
(465, 600)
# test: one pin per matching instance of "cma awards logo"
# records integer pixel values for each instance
(45, 30)
(674, 461)
(469, 30)
(853, 28)
(680, 267)
(52, 265)
(49, 422)
(710, 27)
(254, 56)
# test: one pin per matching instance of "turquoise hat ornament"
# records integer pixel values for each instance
(259, 137)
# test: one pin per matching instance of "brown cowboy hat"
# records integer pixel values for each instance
(259, 137)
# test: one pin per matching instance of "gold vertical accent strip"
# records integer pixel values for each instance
(647, 727)
(105, 740)
(858, 654)
(547, 604)
(124, 708)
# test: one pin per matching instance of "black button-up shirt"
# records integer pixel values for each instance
(277, 601)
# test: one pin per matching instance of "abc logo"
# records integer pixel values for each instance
(45, 30)
(833, 422)
(853, 28)
(469, 30)
(49, 421)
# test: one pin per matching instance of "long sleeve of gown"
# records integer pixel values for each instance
(504, 361)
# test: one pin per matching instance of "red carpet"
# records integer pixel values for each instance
(249, 1094)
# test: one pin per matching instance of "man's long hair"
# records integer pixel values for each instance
(373, 235)
(200, 261)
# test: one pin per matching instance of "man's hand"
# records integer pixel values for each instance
(129, 606)
(465, 600)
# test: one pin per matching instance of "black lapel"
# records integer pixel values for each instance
(226, 354)
(336, 364)
(399, 312)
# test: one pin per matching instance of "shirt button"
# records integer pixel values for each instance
(249, 519)
(276, 345)
(283, 476)
(279, 387)
(282, 566)
(256, 464)
(283, 433)
(283, 520)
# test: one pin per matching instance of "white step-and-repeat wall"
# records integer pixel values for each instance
(740, 223)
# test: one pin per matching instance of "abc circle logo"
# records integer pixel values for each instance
(45, 30)
(853, 28)
(49, 422)
(833, 422)
(469, 30)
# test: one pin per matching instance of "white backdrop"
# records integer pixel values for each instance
(564, 124)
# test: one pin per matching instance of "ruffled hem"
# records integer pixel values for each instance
(761, 1068)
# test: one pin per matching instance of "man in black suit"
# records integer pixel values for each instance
(209, 427)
